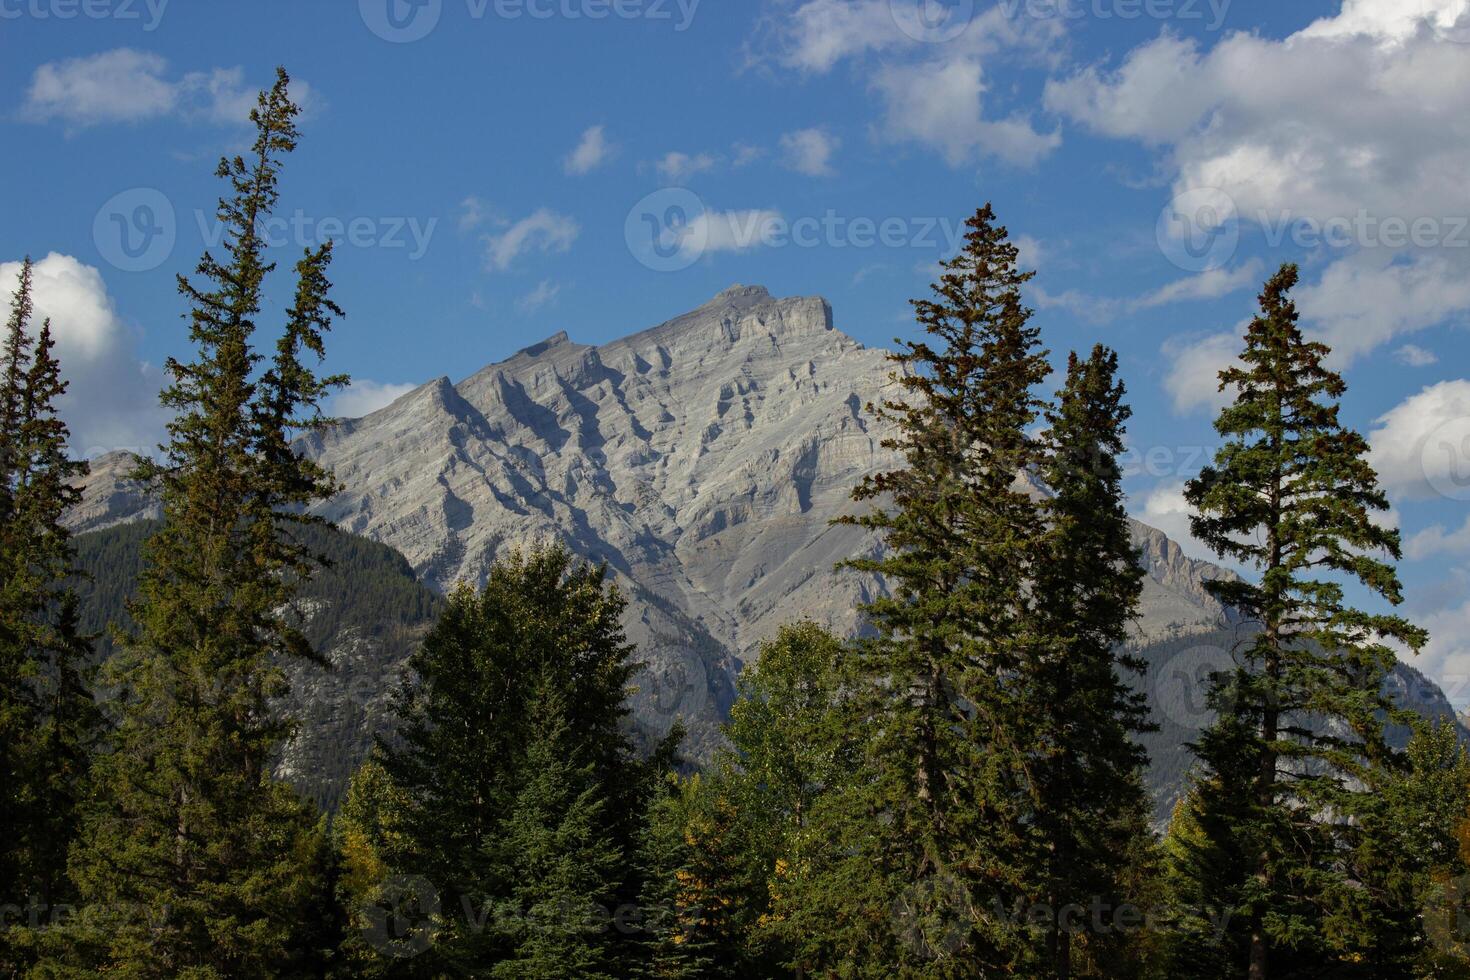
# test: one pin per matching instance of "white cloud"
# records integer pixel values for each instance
(938, 103)
(590, 153)
(809, 151)
(472, 213)
(542, 230)
(1447, 656)
(1435, 540)
(1365, 300)
(112, 402)
(1194, 367)
(1415, 356)
(364, 397)
(127, 86)
(677, 167)
(1377, 131)
(733, 231)
(544, 294)
(928, 93)
(1210, 284)
(1031, 251)
(1421, 447)
(1378, 118)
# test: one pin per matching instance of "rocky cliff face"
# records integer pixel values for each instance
(703, 460)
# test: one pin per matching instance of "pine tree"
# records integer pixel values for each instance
(563, 871)
(533, 667)
(195, 860)
(1090, 802)
(946, 800)
(49, 723)
(672, 916)
(1292, 495)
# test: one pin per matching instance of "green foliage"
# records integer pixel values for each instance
(1291, 494)
(521, 797)
(49, 723)
(945, 799)
(193, 861)
(365, 595)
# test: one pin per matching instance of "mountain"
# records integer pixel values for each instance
(703, 460)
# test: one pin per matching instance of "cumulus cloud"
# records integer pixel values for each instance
(543, 230)
(1193, 378)
(590, 153)
(1447, 656)
(809, 151)
(1421, 447)
(1374, 140)
(364, 397)
(1435, 540)
(927, 93)
(733, 231)
(938, 103)
(128, 86)
(112, 402)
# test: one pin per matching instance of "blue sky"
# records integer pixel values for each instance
(492, 167)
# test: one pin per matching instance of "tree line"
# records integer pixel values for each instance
(958, 793)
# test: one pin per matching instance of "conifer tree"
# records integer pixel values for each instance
(195, 860)
(49, 723)
(685, 906)
(1292, 495)
(1091, 807)
(511, 749)
(947, 842)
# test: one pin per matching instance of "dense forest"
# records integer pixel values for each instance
(959, 792)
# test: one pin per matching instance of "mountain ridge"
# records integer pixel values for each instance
(703, 459)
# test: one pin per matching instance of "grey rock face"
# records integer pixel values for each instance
(703, 460)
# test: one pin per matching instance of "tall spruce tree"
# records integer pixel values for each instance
(195, 861)
(1292, 495)
(938, 844)
(521, 793)
(1091, 807)
(49, 723)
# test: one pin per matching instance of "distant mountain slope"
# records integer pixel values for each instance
(703, 459)
(365, 614)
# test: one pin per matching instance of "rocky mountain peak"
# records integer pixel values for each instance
(703, 460)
